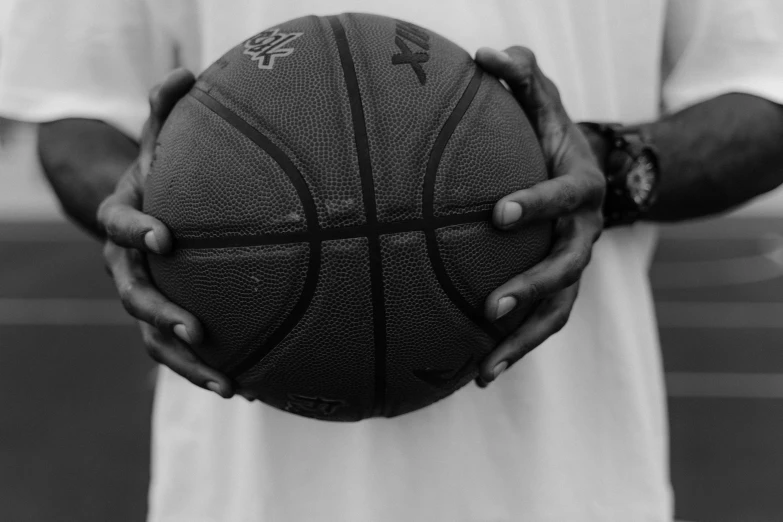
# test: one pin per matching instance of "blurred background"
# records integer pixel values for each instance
(77, 384)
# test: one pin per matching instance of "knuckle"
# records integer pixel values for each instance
(160, 318)
(522, 64)
(589, 224)
(106, 215)
(154, 351)
(132, 263)
(128, 307)
(568, 197)
(130, 235)
(570, 277)
(575, 264)
(100, 214)
(153, 97)
(564, 225)
(147, 333)
(109, 253)
(126, 292)
(135, 257)
(533, 291)
(112, 226)
(560, 128)
(560, 319)
(554, 93)
(523, 54)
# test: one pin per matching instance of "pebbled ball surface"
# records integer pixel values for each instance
(401, 134)
(332, 286)
(475, 173)
(301, 105)
(240, 294)
(226, 185)
(337, 331)
(478, 258)
(419, 317)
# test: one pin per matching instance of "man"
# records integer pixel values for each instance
(576, 431)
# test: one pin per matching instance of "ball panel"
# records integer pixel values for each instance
(240, 295)
(329, 355)
(403, 116)
(209, 180)
(432, 348)
(493, 152)
(301, 104)
(478, 258)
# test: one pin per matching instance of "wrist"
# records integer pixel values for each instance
(599, 144)
(629, 163)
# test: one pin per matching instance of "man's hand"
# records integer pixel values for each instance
(168, 330)
(573, 197)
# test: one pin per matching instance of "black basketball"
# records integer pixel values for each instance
(329, 185)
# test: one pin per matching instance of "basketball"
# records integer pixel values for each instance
(329, 185)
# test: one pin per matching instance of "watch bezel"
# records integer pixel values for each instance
(645, 164)
(627, 150)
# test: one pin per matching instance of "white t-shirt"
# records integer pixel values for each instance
(575, 432)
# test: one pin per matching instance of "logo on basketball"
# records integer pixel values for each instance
(409, 33)
(444, 378)
(269, 45)
(312, 406)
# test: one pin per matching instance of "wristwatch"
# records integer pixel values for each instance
(632, 172)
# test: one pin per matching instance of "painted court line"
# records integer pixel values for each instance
(681, 314)
(81, 312)
(671, 314)
(725, 385)
(764, 266)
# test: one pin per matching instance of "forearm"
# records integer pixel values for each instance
(83, 159)
(716, 155)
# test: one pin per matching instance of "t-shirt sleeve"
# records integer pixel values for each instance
(81, 59)
(714, 47)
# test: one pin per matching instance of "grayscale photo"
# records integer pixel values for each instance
(391, 261)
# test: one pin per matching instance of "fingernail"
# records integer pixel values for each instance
(505, 305)
(499, 368)
(512, 211)
(215, 387)
(152, 242)
(182, 332)
(500, 54)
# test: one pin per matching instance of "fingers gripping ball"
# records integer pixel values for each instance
(329, 184)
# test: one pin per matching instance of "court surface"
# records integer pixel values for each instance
(77, 385)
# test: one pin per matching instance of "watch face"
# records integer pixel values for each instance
(641, 181)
